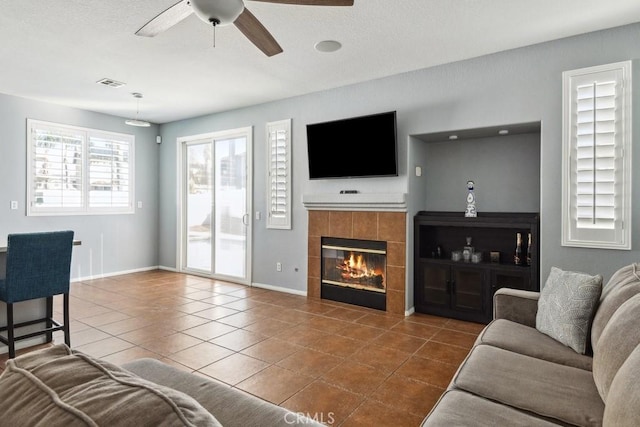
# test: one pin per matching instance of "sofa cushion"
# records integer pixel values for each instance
(547, 389)
(623, 402)
(619, 338)
(459, 408)
(529, 341)
(231, 406)
(59, 387)
(624, 284)
(566, 307)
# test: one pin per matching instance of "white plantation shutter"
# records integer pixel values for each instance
(109, 172)
(75, 171)
(56, 169)
(279, 174)
(597, 157)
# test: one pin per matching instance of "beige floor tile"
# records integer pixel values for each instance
(324, 402)
(310, 362)
(271, 350)
(238, 340)
(200, 355)
(209, 330)
(171, 343)
(275, 384)
(235, 368)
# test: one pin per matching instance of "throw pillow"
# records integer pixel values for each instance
(566, 307)
(60, 387)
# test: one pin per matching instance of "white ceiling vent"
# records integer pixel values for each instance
(110, 82)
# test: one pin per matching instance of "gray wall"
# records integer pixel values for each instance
(110, 243)
(505, 171)
(517, 86)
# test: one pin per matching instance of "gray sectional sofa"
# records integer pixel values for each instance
(57, 386)
(517, 376)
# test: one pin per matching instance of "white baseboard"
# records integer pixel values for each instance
(165, 268)
(279, 289)
(410, 311)
(115, 273)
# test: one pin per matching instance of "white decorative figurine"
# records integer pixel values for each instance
(471, 202)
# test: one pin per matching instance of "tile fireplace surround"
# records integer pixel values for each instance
(369, 225)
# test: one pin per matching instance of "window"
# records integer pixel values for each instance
(279, 170)
(596, 207)
(76, 171)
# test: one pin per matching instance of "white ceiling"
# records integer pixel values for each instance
(55, 51)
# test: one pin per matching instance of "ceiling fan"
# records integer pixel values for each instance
(224, 12)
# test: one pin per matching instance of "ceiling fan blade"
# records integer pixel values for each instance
(257, 34)
(166, 19)
(312, 2)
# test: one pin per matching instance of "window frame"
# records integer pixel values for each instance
(85, 207)
(283, 221)
(620, 235)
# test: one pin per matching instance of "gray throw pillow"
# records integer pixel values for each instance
(566, 307)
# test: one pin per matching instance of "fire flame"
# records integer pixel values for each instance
(355, 267)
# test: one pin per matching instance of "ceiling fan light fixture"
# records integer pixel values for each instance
(328, 46)
(218, 12)
(136, 121)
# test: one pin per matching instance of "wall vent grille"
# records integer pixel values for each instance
(110, 82)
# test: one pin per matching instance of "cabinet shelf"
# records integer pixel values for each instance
(477, 264)
(442, 286)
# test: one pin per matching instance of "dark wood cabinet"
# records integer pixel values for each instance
(464, 290)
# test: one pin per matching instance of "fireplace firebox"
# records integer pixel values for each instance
(354, 271)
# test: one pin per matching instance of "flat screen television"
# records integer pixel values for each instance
(355, 147)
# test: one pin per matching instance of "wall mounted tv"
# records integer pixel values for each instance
(355, 147)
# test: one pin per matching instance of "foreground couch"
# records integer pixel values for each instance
(516, 375)
(57, 386)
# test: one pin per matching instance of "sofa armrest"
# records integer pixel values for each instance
(516, 305)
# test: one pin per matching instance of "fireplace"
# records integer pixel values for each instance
(382, 226)
(354, 271)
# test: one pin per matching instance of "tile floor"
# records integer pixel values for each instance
(352, 366)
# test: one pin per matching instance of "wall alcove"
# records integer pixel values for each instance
(504, 164)
(503, 161)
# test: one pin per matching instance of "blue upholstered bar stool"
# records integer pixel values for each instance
(38, 266)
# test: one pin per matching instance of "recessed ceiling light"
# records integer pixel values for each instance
(503, 131)
(453, 137)
(328, 46)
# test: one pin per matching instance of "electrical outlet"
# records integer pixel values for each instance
(258, 215)
(14, 205)
(278, 266)
(139, 205)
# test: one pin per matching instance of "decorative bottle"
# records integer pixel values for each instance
(467, 251)
(529, 250)
(517, 258)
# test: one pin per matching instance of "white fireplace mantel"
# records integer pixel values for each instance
(392, 202)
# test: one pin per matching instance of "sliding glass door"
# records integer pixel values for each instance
(216, 204)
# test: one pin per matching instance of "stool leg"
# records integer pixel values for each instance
(10, 332)
(65, 309)
(49, 317)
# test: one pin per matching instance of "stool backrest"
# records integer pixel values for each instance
(38, 265)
